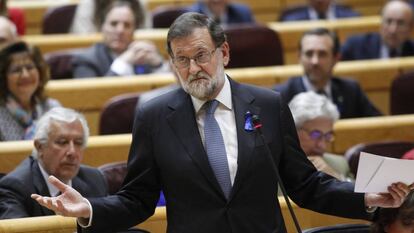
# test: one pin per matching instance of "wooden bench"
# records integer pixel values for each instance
(289, 33)
(90, 95)
(263, 10)
(158, 222)
(114, 148)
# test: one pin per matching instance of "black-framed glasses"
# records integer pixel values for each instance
(317, 135)
(202, 58)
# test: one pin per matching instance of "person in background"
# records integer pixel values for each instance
(197, 144)
(223, 11)
(395, 220)
(8, 33)
(119, 54)
(314, 117)
(88, 18)
(393, 39)
(59, 142)
(16, 15)
(23, 77)
(317, 10)
(318, 54)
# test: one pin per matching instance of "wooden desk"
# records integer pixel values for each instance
(158, 222)
(290, 34)
(90, 95)
(115, 148)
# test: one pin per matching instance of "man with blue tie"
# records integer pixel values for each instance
(196, 144)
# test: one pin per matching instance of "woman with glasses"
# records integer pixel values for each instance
(314, 117)
(23, 76)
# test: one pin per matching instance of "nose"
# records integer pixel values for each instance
(322, 144)
(315, 59)
(194, 68)
(71, 148)
(24, 72)
(392, 27)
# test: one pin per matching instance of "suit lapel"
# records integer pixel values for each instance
(183, 122)
(242, 103)
(41, 187)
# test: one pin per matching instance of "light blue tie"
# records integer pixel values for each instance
(215, 148)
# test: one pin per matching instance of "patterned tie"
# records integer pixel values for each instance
(215, 148)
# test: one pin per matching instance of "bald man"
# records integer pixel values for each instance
(8, 32)
(392, 40)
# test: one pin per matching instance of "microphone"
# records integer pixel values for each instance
(257, 125)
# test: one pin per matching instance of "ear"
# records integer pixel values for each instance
(225, 50)
(38, 146)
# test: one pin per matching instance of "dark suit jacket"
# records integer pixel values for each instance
(346, 94)
(167, 152)
(302, 13)
(96, 61)
(17, 186)
(368, 46)
(236, 13)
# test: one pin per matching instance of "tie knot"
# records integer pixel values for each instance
(211, 106)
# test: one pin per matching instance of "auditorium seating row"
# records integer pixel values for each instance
(289, 34)
(158, 222)
(374, 76)
(114, 148)
(264, 10)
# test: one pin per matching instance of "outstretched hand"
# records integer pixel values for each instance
(70, 203)
(396, 196)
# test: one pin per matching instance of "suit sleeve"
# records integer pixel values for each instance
(309, 188)
(13, 198)
(137, 199)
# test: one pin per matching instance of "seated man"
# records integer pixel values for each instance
(119, 54)
(223, 11)
(393, 39)
(60, 139)
(319, 9)
(318, 54)
(314, 117)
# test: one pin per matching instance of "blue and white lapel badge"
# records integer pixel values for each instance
(248, 124)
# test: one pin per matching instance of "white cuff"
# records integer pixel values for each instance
(122, 67)
(86, 222)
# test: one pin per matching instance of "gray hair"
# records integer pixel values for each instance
(62, 115)
(184, 25)
(307, 106)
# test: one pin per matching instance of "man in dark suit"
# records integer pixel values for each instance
(119, 54)
(318, 54)
(59, 142)
(393, 39)
(223, 11)
(197, 144)
(317, 10)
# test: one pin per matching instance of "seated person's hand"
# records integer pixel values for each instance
(142, 53)
(70, 203)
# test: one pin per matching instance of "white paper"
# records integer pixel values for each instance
(375, 173)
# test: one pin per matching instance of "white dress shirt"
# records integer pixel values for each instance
(224, 115)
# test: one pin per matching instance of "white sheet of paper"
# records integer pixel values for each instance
(375, 173)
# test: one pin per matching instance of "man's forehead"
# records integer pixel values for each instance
(310, 42)
(199, 39)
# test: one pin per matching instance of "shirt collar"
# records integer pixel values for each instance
(309, 86)
(224, 97)
(330, 14)
(52, 189)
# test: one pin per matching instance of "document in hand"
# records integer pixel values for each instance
(375, 173)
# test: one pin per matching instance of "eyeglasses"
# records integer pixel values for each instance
(18, 70)
(202, 58)
(317, 135)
